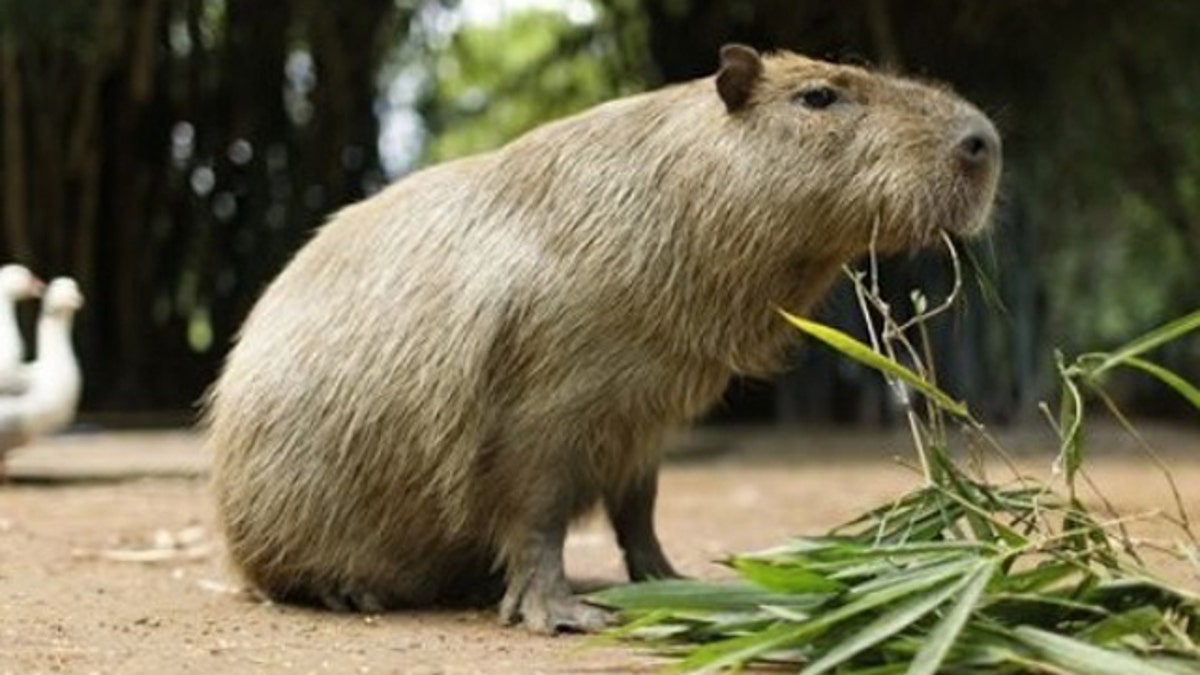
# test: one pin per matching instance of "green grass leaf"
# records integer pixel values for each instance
(1137, 620)
(687, 594)
(840, 551)
(888, 624)
(1081, 657)
(865, 355)
(911, 579)
(736, 652)
(785, 578)
(1145, 343)
(929, 660)
(1183, 387)
(1070, 425)
(1038, 579)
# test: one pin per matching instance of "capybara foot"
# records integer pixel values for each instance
(550, 614)
(540, 597)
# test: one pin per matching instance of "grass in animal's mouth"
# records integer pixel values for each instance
(961, 574)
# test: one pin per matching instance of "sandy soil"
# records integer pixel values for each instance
(79, 508)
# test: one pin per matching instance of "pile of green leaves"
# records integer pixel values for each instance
(957, 576)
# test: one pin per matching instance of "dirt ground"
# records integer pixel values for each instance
(109, 562)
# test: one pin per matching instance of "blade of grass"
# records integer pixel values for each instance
(685, 594)
(1070, 425)
(929, 660)
(652, 619)
(1082, 657)
(785, 578)
(1145, 343)
(1005, 533)
(1045, 576)
(1138, 620)
(739, 650)
(903, 615)
(911, 580)
(1183, 387)
(847, 551)
(736, 652)
(865, 355)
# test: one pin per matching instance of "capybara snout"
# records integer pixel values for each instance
(978, 147)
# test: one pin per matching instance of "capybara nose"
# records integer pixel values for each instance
(979, 144)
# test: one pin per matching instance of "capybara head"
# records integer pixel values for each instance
(870, 155)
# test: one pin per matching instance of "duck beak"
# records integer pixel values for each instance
(37, 287)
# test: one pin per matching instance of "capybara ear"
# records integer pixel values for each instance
(741, 68)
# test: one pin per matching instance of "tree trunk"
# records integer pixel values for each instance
(15, 210)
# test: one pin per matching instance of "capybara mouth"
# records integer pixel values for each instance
(973, 214)
(963, 206)
(967, 216)
(962, 209)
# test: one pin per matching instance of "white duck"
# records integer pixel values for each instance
(52, 383)
(17, 283)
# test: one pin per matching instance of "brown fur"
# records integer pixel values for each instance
(454, 368)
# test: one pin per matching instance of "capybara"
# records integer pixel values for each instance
(455, 368)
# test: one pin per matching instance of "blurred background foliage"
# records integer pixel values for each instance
(172, 154)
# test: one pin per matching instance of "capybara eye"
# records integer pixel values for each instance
(818, 98)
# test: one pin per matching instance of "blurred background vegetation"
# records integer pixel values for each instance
(172, 155)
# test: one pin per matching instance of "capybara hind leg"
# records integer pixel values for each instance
(631, 511)
(538, 593)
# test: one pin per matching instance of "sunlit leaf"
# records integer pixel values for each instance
(865, 355)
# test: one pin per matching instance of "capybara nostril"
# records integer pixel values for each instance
(979, 145)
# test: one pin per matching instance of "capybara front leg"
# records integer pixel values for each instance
(538, 593)
(631, 511)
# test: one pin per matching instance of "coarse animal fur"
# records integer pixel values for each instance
(454, 368)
